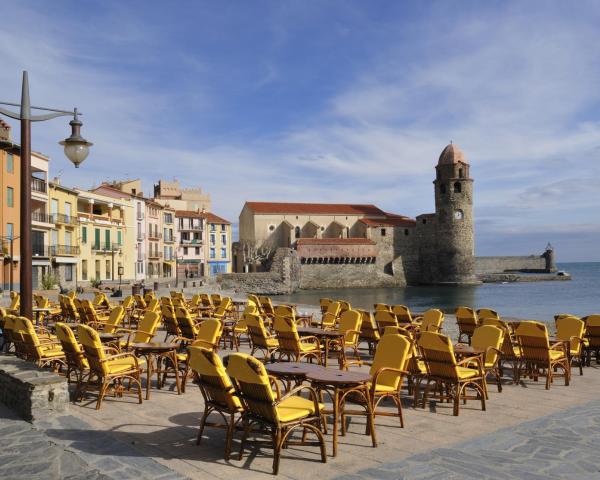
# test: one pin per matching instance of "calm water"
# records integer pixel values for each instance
(533, 300)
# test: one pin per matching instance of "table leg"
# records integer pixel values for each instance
(177, 382)
(149, 374)
(326, 351)
(336, 413)
(370, 416)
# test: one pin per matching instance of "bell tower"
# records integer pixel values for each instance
(454, 218)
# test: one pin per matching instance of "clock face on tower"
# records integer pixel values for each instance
(458, 214)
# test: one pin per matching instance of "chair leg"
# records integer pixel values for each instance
(101, 393)
(202, 424)
(277, 450)
(230, 428)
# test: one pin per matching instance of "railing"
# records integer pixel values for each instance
(193, 228)
(140, 237)
(169, 239)
(106, 246)
(38, 250)
(38, 185)
(195, 242)
(64, 219)
(155, 255)
(41, 217)
(64, 250)
(140, 215)
(154, 236)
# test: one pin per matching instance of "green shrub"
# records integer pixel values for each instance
(95, 282)
(49, 281)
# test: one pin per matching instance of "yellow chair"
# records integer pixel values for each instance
(572, 329)
(330, 317)
(280, 415)
(144, 333)
(467, 321)
(75, 358)
(223, 310)
(483, 313)
(92, 317)
(350, 322)
(169, 321)
(207, 337)
(383, 319)
(344, 306)
(292, 346)
(539, 358)
(117, 314)
(489, 339)
(592, 337)
(188, 327)
(108, 369)
(285, 311)
(368, 330)
(6, 319)
(218, 393)
(265, 307)
(44, 352)
(387, 369)
(101, 301)
(450, 377)
(216, 299)
(432, 321)
(324, 304)
(259, 337)
(403, 314)
(15, 303)
(382, 306)
(511, 351)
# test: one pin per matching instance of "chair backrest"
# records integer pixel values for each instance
(533, 340)
(324, 304)
(71, 294)
(206, 300)
(31, 343)
(344, 306)
(15, 301)
(72, 309)
(252, 382)
(402, 313)
(149, 296)
(100, 300)
(139, 301)
(209, 334)
(213, 380)
(486, 336)
(487, 313)
(368, 327)
(285, 311)
(195, 301)
(223, 308)
(89, 311)
(266, 305)
(216, 299)
(287, 334)
(467, 321)
(93, 350)
(349, 325)
(592, 330)
(117, 314)
(392, 352)
(383, 319)
(153, 305)
(571, 329)
(382, 306)
(256, 329)
(170, 320)
(334, 309)
(438, 355)
(128, 302)
(147, 327)
(71, 347)
(166, 301)
(14, 329)
(432, 320)
(186, 325)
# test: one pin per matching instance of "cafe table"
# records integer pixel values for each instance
(289, 372)
(326, 337)
(340, 385)
(39, 314)
(111, 339)
(160, 350)
(462, 350)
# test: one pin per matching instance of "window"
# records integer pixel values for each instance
(212, 239)
(53, 207)
(97, 239)
(83, 234)
(10, 197)
(185, 250)
(108, 269)
(223, 253)
(213, 227)
(107, 238)
(120, 237)
(457, 187)
(10, 230)
(223, 239)
(297, 232)
(406, 231)
(212, 252)
(68, 273)
(383, 232)
(68, 211)
(54, 238)
(223, 227)
(98, 273)
(84, 269)
(197, 250)
(10, 163)
(68, 238)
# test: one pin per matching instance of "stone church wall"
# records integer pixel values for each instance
(484, 265)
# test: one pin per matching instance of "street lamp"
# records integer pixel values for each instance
(76, 150)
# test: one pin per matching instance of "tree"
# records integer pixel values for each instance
(253, 255)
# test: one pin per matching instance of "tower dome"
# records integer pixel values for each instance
(451, 154)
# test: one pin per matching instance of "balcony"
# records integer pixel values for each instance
(140, 237)
(155, 255)
(106, 247)
(57, 250)
(140, 215)
(154, 236)
(38, 185)
(190, 228)
(41, 217)
(63, 219)
(193, 242)
(169, 239)
(38, 250)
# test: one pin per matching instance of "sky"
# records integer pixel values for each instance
(329, 101)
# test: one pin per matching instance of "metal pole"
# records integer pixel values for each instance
(112, 272)
(176, 272)
(26, 250)
(11, 264)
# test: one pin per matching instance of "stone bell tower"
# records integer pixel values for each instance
(454, 242)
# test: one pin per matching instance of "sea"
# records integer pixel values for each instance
(540, 301)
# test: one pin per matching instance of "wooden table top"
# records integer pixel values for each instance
(319, 332)
(337, 377)
(110, 336)
(463, 349)
(291, 368)
(155, 346)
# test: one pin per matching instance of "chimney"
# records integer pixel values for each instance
(56, 180)
(4, 131)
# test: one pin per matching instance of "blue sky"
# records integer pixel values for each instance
(330, 101)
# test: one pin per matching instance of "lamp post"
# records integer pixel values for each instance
(76, 150)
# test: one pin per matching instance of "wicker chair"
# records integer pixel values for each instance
(467, 322)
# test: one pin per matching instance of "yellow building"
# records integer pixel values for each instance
(64, 236)
(218, 244)
(107, 235)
